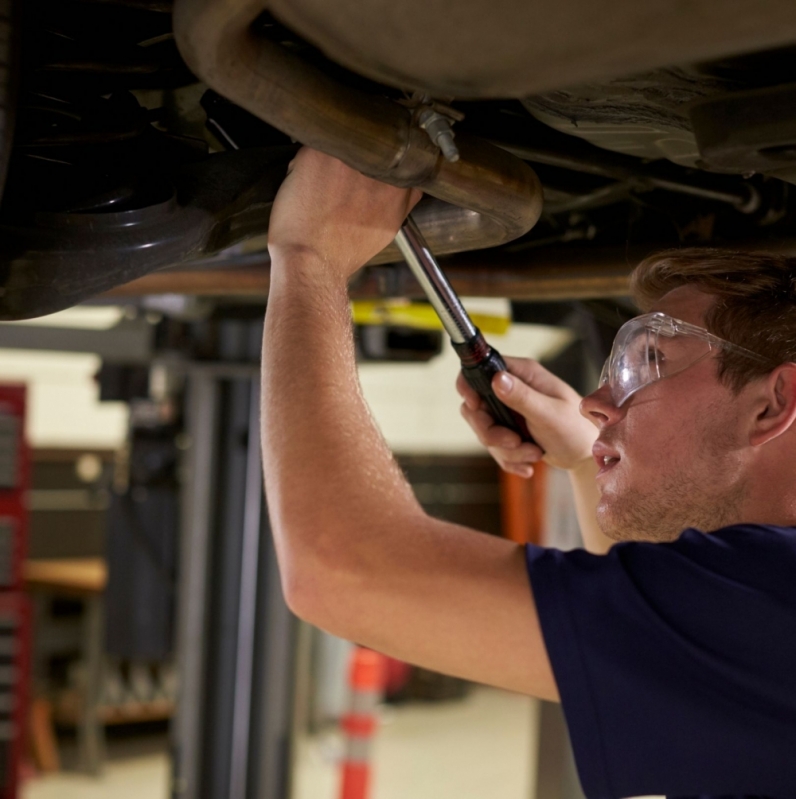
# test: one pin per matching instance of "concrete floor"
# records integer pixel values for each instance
(472, 749)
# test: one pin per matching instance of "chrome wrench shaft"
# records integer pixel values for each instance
(480, 362)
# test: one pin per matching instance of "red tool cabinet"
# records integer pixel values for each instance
(15, 614)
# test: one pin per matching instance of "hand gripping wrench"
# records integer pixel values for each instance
(480, 362)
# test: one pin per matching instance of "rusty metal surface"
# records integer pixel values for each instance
(554, 273)
(489, 282)
(546, 275)
(370, 133)
(513, 48)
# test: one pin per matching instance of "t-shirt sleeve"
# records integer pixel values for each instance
(676, 663)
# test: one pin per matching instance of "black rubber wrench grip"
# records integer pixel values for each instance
(480, 363)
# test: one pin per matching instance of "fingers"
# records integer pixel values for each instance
(327, 207)
(503, 444)
(391, 204)
(489, 433)
(519, 460)
(468, 393)
(525, 470)
(523, 455)
(519, 394)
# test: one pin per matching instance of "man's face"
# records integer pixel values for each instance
(674, 448)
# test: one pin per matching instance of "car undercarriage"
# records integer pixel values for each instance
(143, 141)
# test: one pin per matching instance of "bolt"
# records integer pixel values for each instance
(440, 132)
(752, 201)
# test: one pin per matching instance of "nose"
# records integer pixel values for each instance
(599, 408)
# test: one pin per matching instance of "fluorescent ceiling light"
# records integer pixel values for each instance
(85, 317)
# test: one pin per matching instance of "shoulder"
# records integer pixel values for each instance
(746, 534)
(667, 655)
(739, 558)
(758, 555)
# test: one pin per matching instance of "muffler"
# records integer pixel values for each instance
(492, 196)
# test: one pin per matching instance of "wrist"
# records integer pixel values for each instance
(585, 467)
(304, 269)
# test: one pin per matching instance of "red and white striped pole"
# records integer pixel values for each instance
(366, 679)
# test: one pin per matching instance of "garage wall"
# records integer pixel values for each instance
(63, 400)
(415, 404)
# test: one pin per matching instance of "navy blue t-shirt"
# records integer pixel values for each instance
(676, 662)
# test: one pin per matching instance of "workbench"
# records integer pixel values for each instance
(84, 579)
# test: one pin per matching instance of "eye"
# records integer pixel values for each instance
(655, 356)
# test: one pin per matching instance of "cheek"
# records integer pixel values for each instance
(657, 444)
(691, 437)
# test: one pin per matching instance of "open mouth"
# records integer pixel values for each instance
(605, 460)
(608, 462)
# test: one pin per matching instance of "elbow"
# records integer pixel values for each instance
(335, 594)
(322, 601)
(302, 563)
(299, 576)
(333, 569)
(317, 586)
(301, 593)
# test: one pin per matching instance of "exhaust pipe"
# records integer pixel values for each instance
(497, 196)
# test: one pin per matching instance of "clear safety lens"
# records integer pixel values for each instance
(647, 349)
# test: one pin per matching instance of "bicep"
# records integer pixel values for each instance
(452, 600)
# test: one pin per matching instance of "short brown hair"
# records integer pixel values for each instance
(755, 301)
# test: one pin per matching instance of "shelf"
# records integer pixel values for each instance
(67, 711)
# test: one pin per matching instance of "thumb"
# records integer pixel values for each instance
(516, 394)
(533, 374)
(415, 195)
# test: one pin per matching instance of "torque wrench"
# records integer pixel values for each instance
(480, 362)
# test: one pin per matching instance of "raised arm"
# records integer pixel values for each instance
(552, 411)
(358, 556)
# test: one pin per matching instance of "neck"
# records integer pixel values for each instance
(771, 494)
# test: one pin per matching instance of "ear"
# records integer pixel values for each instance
(776, 405)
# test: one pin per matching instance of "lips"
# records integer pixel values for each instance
(605, 457)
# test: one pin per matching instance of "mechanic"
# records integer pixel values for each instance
(674, 652)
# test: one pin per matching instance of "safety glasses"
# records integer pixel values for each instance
(654, 346)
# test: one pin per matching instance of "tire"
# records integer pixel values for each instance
(9, 76)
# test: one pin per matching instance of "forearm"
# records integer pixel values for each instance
(584, 488)
(333, 487)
